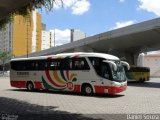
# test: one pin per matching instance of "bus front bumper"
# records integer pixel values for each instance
(109, 89)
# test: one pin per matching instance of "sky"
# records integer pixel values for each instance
(96, 16)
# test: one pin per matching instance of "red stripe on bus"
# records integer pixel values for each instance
(76, 56)
(49, 58)
(77, 88)
(38, 85)
(18, 84)
(115, 89)
(109, 89)
(51, 81)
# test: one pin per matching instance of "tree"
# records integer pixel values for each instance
(3, 58)
(26, 9)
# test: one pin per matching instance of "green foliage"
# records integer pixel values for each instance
(3, 22)
(24, 11)
(3, 56)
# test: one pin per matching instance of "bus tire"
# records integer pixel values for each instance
(87, 89)
(143, 80)
(30, 86)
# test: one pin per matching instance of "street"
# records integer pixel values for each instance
(139, 98)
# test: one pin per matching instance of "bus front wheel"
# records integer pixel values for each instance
(30, 86)
(87, 89)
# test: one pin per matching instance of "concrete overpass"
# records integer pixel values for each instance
(125, 43)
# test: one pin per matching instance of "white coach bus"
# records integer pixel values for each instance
(77, 72)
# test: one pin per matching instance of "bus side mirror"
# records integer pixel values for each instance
(125, 64)
(112, 63)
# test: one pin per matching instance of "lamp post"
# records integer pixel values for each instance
(27, 35)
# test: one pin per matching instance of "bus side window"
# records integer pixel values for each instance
(96, 63)
(66, 64)
(80, 64)
(70, 64)
(105, 71)
(53, 65)
(22, 65)
(33, 67)
(46, 65)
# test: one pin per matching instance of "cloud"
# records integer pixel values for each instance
(69, 3)
(154, 52)
(123, 24)
(59, 4)
(61, 36)
(78, 7)
(150, 6)
(121, 0)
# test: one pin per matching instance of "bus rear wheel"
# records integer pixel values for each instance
(30, 86)
(142, 80)
(87, 89)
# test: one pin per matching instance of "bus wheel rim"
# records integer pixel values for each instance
(88, 90)
(30, 86)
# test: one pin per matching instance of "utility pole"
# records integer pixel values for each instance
(50, 37)
(27, 34)
(54, 38)
(72, 32)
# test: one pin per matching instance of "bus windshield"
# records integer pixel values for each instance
(119, 73)
(108, 69)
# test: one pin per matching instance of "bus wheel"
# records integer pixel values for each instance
(30, 86)
(143, 80)
(87, 89)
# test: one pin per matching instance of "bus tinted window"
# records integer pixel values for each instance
(102, 69)
(96, 62)
(80, 64)
(65, 64)
(52, 64)
(137, 69)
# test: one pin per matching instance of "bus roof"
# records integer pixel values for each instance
(71, 55)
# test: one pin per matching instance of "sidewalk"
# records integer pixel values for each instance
(4, 75)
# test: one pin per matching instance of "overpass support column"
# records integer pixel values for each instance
(135, 58)
(131, 58)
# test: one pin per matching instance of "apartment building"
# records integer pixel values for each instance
(152, 61)
(6, 38)
(46, 40)
(27, 33)
(23, 35)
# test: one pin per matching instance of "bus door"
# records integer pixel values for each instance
(105, 73)
(102, 70)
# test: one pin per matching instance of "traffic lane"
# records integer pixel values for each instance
(134, 100)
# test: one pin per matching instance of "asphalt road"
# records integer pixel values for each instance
(139, 99)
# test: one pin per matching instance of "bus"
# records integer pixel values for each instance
(77, 72)
(137, 73)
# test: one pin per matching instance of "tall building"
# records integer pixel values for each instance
(22, 36)
(6, 38)
(152, 61)
(46, 40)
(27, 33)
(60, 37)
(43, 26)
(77, 35)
